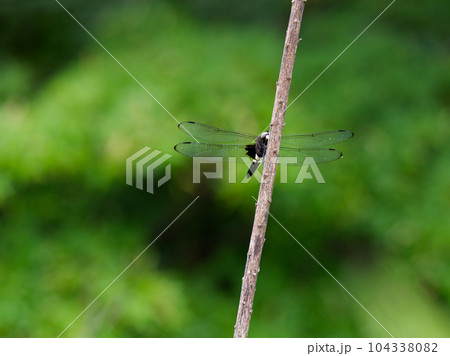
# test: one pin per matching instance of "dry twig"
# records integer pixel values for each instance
(269, 170)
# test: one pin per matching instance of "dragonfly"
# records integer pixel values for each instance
(215, 142)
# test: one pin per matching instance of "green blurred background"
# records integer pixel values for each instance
(70, 116)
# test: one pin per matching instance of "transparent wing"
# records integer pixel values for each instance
(318, 139)
(206, 133)
(320, 155)
(194, 149)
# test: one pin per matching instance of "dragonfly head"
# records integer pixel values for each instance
(265, 137)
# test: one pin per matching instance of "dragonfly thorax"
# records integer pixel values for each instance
(261, 145)
(257, 150)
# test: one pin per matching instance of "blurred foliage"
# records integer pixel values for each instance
(70, 116)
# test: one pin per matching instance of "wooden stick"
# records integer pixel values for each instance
(269, 170)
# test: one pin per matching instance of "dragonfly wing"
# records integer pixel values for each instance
(206, 133)
(319, 155)
(194, 149)
(318, 139)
